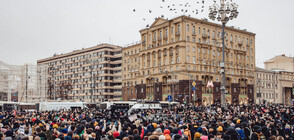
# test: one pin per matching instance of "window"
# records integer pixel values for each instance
(187, 59)
(213, 34)
(199, 30)
(188, 48)
(178, 68)
(194, 49)
(178, 59)
(160, 34)
(188, 38)
(194, 61)
(213, 52)
(199, 50)
(172, 30)
(203, 31)
(179, 26)
(194, 32)
(188, 27)
(194, 68)
(150, 37)
(166, 32)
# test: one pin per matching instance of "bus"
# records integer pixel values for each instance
(8, 106)
(166, 104)
(145, 106)
(48, 106)
(117, 104)
(27, 106)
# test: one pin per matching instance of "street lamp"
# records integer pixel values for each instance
(223, 12)
(259, 86)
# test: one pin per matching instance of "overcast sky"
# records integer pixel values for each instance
(36, 29)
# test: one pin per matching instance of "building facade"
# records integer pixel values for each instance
(174, 53)
(266, 86)
(281, 62)
(274, 86)
(90, 75)
(18, 83)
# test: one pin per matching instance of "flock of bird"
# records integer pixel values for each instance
(186, 8)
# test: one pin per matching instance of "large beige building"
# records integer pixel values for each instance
(170, 50)
(276, 81)
(281, 62)
(82, 73)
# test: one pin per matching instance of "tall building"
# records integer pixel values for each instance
(174, 53)
(266, 86)
(281, 62)
(274, 86)
(92, 74)
(18, 83)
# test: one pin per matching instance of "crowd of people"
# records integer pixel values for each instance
(254, 122)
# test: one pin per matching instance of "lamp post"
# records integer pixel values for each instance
(223, 12)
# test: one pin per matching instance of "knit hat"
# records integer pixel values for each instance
(154, 125)
(197, 135)
(96, 123)
(220, 129)
(166, 131)
(204, 137)
(167, 137)
(158, 130)
(115, 134)
(232, 125)
(40, 124)
(238, 121)
(55, 126)
(64, 131)
(161, 137)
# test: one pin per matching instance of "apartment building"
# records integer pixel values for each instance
(266, 86)
(274, 86)
(174, 53)
(91, 75)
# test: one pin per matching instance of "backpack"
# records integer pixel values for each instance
(250, 132)
(258, 135)
(241, 134)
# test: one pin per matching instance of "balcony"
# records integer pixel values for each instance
(194, 34)
(213, 38)
(165, 37)
(204, 36)
(240, 43)
(177, 33)
(160, 38)
(154, 40)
